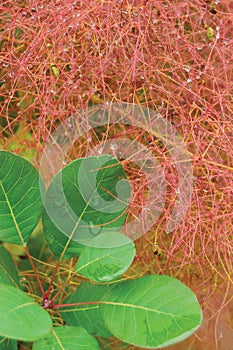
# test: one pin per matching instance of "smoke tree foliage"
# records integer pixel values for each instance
(152, 311)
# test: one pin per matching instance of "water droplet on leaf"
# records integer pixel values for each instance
(95, 229)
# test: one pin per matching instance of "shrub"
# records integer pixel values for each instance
(78, 220)
(59, 57)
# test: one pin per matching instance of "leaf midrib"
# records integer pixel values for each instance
(12, 214)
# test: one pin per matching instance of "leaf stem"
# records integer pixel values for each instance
(63, 286)
(57, 306)
(52, 279)
(35, 271)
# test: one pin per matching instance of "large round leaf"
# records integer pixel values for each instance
(67, 338)
(152, 311)
(87, 197)
(108, 257)
(87, 315)
(8, 272)
(20, 317)
(20, 200)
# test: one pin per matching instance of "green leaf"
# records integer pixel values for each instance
(20, 317)
(55, 70)
(8, 344)
(209, 32)
(37, 245)
(57, 240)
(88, 316)
(152, 311)
(67, 338)
(20, 200)
(8, 272)
(108, 257)
(88, 197)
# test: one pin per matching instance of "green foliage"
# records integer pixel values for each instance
(68, 338)
(8, 344)
(108, 257)
(20, 200)
(165, 310)
(20, 315)
(78, 212)
(88, 316)
(8, 272)
(85, 207)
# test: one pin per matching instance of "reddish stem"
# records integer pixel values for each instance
(52, 280)
(57, 306)
(44, 295)
(56, 295)
(61, 289)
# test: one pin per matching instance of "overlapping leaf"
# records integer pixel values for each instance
(108, 257)
(20, 317)
(152, 311)
(89, 196)
(20, 200)
(88, 316)
(8, 344)
(8, 272)
(67, 338)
